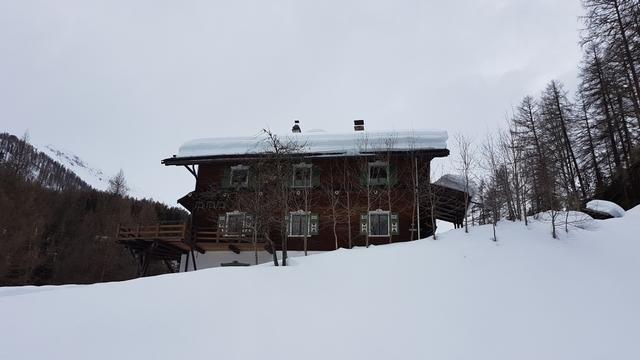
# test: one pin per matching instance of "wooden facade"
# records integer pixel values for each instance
(332, 201)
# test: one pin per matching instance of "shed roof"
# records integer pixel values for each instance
(457, 182)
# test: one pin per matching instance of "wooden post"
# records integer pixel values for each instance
(417, 190)
(145, 265)
(189, 236)
(138, 257)
(193, 258)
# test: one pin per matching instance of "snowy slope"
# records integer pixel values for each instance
(96, 178)
(463, 296)
(93, 176)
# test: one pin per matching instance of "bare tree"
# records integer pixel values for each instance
(334, 190)
(494, 195)
(430, 196)
(466, 161)
(118, 184)
(347, 182)
(275, 169)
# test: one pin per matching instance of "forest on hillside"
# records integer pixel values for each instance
(56, 229)
(558, 151)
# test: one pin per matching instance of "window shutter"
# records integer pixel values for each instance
(364, 224)
(393, 175)
(222, 220)
(248, 224)
(364, 176)
(315, 176)
(314, 228)
(226, 178)
(253, 179)
(291, 174)
(395, 224)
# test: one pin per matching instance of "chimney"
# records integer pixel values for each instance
(296, 127)
(358, 125)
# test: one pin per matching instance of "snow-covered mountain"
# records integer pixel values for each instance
(92, 175)
(463, 296)
(95, 177)
(56, 168)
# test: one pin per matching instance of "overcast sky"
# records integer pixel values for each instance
(123, 84)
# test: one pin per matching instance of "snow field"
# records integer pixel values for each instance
(463, 296)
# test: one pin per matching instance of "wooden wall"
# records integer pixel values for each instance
(397, 198)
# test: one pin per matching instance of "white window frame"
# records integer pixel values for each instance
(379, 212)
(239, 168)
(299, 213)
(293, 176)
(384, 164)
(226, 223)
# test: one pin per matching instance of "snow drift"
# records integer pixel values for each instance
(526, 296)
(606, 207)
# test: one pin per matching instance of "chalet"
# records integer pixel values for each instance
(300, 192)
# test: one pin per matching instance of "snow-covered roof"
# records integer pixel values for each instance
(351, 143)
(606, 207)
(456, 182)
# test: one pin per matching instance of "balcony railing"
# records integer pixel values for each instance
(165, 232)
(180, 233)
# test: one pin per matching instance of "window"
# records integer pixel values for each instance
(239, 176)
(302, 175)
(379, 223)
(234, 223)
(302, 223)
(299, 224)
(378, 173)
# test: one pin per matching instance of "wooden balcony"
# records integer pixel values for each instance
(162, 241)
(172, 238)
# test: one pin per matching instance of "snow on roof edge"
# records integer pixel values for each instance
(343, 143)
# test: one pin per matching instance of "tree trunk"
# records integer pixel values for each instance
(627, 48)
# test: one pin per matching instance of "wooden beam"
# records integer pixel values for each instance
(192, 170)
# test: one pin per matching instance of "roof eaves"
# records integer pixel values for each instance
(194, 160)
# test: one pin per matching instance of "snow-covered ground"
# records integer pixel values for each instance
(463, 296)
